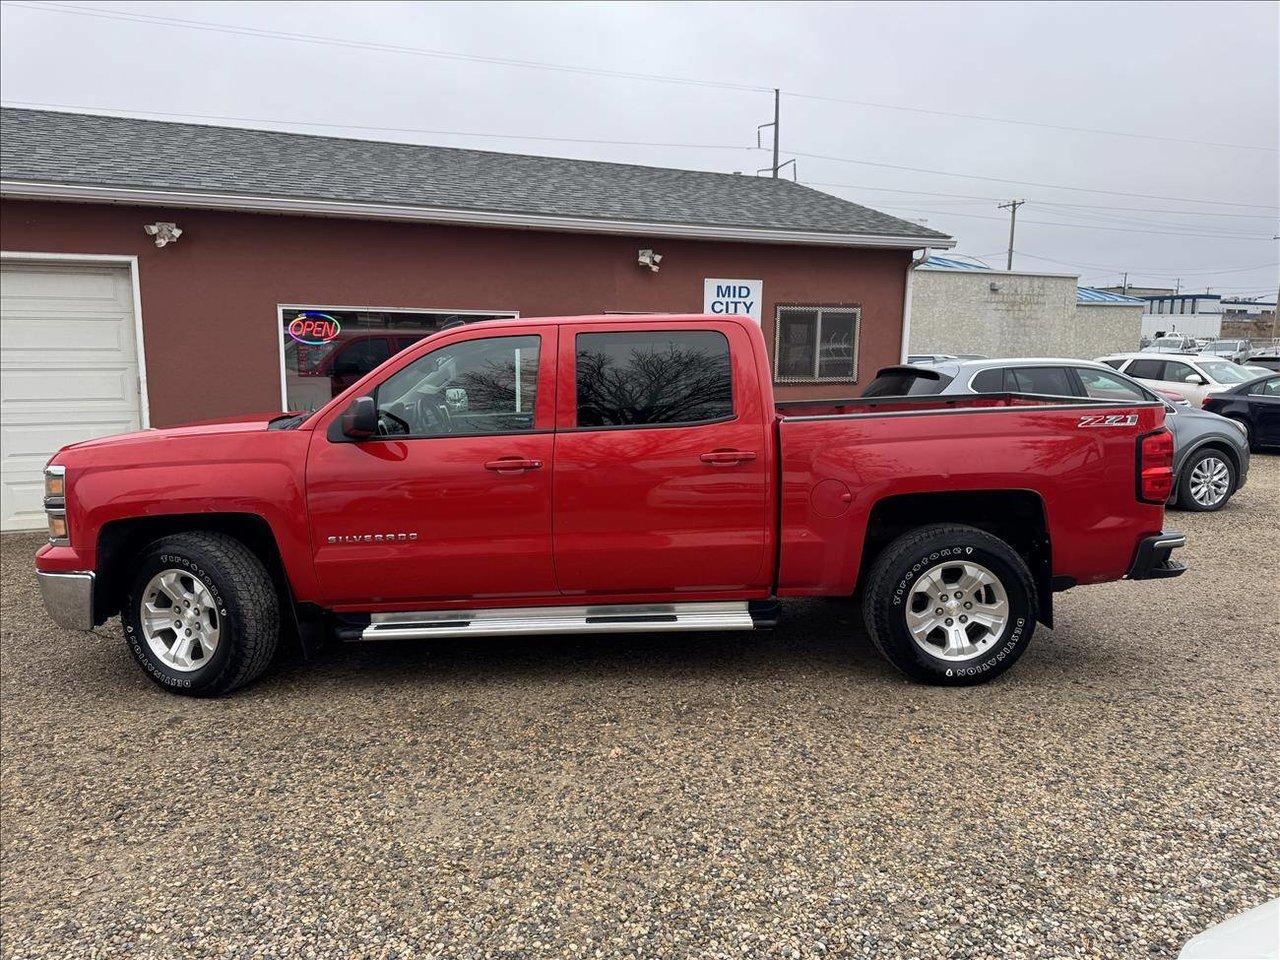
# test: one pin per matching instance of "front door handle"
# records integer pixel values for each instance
(513, 465)
(727, 458)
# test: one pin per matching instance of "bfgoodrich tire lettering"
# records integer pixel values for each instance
(894, 575)
(248, 612)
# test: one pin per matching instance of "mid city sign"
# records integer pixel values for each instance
(733, 297)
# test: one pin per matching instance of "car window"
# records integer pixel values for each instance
(1113, 364)
(1146, 369)
(1177, 372)
(1223, 371)
(907, 383)
(471, 387)
(1108, 386)
(989, 381)
(652, 377)
(1054, 381)
(1270, 387)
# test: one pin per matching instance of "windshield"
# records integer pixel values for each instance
(1224, 372)
(1223, 346)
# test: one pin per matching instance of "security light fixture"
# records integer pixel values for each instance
(647, 258)
(164, 232)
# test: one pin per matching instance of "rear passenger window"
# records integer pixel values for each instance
(1105, 386)
(1146, 369)
(988, 381)
(652, 377)
(1054, 381)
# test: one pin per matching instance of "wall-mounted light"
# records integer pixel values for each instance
(647, 258)
(164, 232)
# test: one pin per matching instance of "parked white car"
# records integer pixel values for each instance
(1192, 375)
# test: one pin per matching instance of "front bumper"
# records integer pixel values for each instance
(68, 597)
(1152, 561)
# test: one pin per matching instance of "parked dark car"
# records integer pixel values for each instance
(1256, 405)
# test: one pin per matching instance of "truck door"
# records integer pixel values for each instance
(662, 468)
(451, 498)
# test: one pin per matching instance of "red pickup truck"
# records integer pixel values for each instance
(601, 474)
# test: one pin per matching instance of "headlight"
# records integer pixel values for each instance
(1244, 431)
(55, 505)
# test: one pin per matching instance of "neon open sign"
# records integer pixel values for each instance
(314, 329)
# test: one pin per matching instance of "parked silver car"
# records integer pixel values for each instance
(1211, 453)
(1237, 350)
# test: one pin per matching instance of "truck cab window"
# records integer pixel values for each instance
(652, 377)
(472, 387)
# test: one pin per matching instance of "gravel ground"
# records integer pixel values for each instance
(781, 795)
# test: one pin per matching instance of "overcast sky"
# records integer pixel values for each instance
(1170, 72)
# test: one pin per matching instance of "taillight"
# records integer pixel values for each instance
(1155, 466)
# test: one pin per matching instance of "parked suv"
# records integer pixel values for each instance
(1193, 376)
(1211, 453)
(1237, 350)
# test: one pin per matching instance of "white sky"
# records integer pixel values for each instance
(1186, 71)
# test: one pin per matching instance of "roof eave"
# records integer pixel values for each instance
(33, 190)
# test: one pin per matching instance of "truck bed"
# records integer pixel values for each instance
(1077, 457)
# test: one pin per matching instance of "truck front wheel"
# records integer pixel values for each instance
(950, 604)
(201, 615)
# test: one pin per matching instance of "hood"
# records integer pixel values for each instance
(245, 423)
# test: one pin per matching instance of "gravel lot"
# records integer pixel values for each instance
(662, 796)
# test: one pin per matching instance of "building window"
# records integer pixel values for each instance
(816, 344)
(654, 378)
(324, 350)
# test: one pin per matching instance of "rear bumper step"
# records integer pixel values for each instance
(1152, 561)
(532, 621)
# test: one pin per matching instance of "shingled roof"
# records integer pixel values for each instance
(71, 156)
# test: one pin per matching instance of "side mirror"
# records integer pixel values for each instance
(1196, 379)
(360, 422)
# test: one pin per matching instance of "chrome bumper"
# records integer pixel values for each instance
(68, 597)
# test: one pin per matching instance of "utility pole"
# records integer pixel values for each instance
(777, 111)
(1177, 286)
(1012, 206)
(1124, 286)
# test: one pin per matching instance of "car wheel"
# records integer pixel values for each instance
(201, 615)
(951, 605)
(1207, 482)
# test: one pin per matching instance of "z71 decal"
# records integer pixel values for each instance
(1115, 420)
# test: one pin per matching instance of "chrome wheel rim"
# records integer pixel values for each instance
(957, 610)
(180, 620)
(1210, 481)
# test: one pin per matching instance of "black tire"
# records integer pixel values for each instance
(888, 591)
(1185, 499)
(247, 605)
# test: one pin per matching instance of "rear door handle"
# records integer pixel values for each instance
(727, 458)
(513, 465)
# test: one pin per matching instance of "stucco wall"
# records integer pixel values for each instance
(1026, 315)
(209, 300)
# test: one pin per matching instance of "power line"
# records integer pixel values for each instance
(355, 126)
(986, 118)
(1153, 271)
(237, 30)
(1027, 183)
(1051, 203)
(1083, 226)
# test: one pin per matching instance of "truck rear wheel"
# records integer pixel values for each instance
(201, 615)
(950, 604)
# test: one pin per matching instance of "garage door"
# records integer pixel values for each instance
(68, 371)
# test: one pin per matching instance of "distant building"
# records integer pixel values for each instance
(961, 307)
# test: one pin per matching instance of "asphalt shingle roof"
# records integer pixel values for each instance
(123, 152)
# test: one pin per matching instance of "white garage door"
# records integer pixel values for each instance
(68, 371)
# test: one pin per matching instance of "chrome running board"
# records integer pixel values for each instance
(529, 621)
